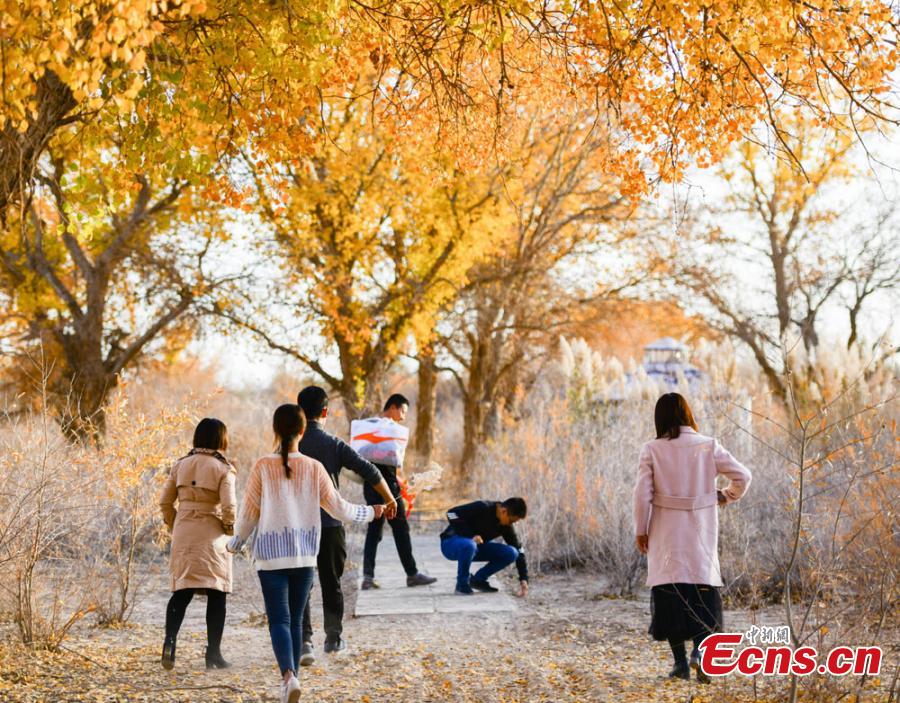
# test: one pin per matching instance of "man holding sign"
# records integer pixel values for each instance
(383, 441)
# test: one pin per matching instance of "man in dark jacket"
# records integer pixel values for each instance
(334, 454)
(469, 537)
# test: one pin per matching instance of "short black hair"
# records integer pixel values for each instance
(314, 401)
(515, 507)
(211, 434)
(395, 401)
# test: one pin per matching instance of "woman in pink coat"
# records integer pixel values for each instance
(677, 526)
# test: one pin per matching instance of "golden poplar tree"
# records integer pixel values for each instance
(374, 236)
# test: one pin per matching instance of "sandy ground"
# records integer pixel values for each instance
(566, 642)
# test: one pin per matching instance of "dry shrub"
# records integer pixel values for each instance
(76, 520)
(46, 509)
(576, 484)
(843, 553)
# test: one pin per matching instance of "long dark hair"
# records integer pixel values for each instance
(671, 414)
(212, 434)
(288, 422)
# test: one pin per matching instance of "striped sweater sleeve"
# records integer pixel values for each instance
(249, 516)
(335, 505)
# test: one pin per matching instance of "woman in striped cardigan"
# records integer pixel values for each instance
(282, 500)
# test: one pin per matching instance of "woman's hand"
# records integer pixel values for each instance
(379, 510)
(643, 543)
(523, 589)
(390, 509)
(477, 539)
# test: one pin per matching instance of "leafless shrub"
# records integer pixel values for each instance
(46, 508)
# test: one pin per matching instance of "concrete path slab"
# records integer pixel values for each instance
(396, 598)
(479, 603)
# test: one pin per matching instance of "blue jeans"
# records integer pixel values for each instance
(464, 550)
(285, 592)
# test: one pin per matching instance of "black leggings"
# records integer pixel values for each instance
(215, 615)
(678, 650)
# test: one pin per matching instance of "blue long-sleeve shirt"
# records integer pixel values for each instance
(335, 454)
(480, 518)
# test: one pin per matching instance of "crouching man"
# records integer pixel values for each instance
(469, 537)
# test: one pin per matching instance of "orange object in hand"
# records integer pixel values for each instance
(408, 496)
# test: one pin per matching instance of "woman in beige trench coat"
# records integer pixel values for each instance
(202, 483)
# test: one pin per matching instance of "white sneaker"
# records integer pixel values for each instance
(290, 690)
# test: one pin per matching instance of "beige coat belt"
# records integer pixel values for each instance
(707, 500)
(197, 505)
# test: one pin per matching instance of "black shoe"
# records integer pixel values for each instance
(334, 646)
(702, 676)
(681, 671)
(168, 653)
(420, 579)
(369, 583)
(480, 585)
(215, 661)
(464, 591)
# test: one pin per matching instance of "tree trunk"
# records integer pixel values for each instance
(374, 397)
(362, 384)
(423, 440)
(510, 382)
(776, 382)
(778, 257)
(78, 382)
(809, 334)
(472, 430)
(353, 403)
(80, 400)
(473, 405)
(854, 316)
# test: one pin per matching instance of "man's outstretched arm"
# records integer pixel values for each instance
(370, 474)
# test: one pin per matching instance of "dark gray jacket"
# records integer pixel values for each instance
(335, 454)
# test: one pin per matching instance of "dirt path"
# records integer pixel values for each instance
(566, 642)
